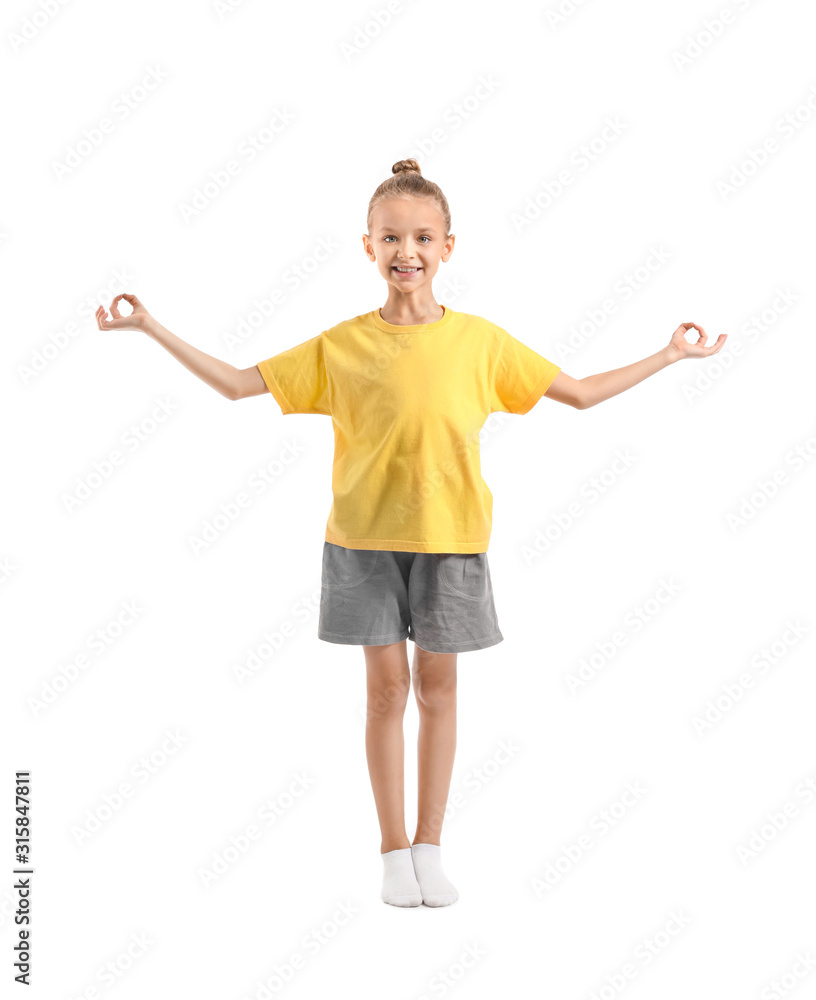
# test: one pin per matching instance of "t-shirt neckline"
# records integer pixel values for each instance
(415, 328)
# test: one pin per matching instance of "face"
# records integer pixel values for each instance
(407, 233)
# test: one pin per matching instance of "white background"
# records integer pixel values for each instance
(738, 262)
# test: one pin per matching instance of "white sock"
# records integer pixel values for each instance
(400, 887)
(436, 888)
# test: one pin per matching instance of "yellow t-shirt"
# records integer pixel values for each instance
(407, 404)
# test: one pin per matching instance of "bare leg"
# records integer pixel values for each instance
(434, 676)
(388, 682)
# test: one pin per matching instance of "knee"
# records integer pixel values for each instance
(388, 699)
(435, 695)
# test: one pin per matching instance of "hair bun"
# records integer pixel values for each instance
(404, 166)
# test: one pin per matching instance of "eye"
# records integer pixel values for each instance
(387, 238)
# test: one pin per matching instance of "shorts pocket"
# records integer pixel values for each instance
(466, 574)
(344, 568)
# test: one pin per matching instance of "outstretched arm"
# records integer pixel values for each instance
(585, 392)
(232, 382)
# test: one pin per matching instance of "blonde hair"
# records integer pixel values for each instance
(407, 182)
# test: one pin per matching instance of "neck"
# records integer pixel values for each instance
(404, 310)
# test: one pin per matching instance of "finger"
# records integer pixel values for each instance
(114, 309)
(717, 344)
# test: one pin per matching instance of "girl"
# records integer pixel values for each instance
(408, 388)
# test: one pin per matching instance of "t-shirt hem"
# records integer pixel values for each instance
(545, 383)
(275, 390)
(404, 545)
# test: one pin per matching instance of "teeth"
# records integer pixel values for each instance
(407, 268)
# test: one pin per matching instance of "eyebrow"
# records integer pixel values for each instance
(421, 229)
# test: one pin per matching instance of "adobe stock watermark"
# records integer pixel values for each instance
(138, 775)
(396, 694)
(482, 775)
(452, 974)
(34, 23)
(775, 822)
(560, 14)
(225, 7)
(312, 944)
(491, 429)
(394, 344)
(600, 825)
(58, 341)
(450, 289)
(131, 440)
(623, 289)
(735, 692)
(473, 781)
(98, 642)
(7, 570)
(589, 492)
(111, 972)
(454, 117)
(463, 452)
(257, 483)
(8, 904)
(273, 640)
(434, 480)
(757, 157)
(650, 947)
(765, 490)
(224, 858)
(362, 35)
(221, 177)
(387, 699)
(121, 108)
(634, 622)
(376, 365)
(263, 307)
(579, 161)
(713, 370)
(804, 962)
(712, 30)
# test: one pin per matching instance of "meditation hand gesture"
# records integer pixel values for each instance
(679, 347)
(137, 320)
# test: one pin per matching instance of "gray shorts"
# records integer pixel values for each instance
(442, 601)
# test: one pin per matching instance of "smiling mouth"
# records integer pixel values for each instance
(405, 270)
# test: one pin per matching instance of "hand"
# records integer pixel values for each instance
(137, 320)
(679, 347)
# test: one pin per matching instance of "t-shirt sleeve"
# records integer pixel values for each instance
(520, 375)
(297, 378)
